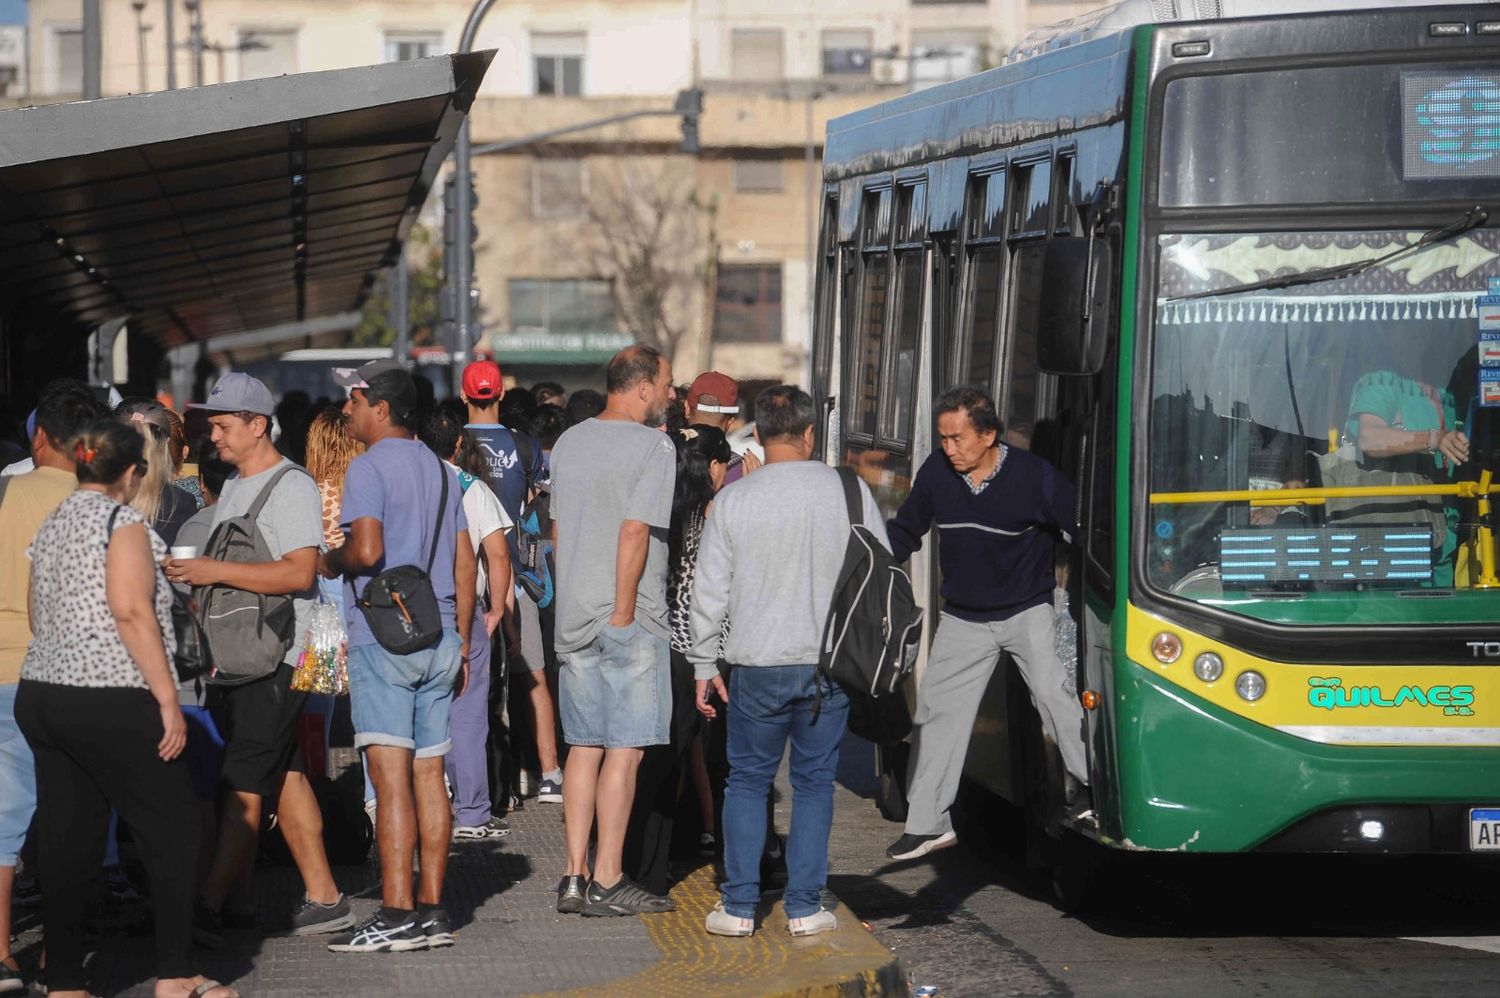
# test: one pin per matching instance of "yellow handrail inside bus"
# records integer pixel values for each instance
(1287, 497)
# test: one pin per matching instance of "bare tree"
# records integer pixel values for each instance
(648, 229)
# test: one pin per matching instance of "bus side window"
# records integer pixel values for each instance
(984, 234)
(899, 390)
(875, 278)
(1030, 200)
(1062, 195)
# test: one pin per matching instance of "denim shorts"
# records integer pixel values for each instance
(616, 691)
(17, 780)
(403, 700)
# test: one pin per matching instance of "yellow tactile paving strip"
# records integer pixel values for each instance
(845, 962)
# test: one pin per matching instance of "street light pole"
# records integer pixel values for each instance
(171, 47)
(195, 38)
(139, 6)
(463, 257)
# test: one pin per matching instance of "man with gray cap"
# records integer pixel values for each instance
(259, 717)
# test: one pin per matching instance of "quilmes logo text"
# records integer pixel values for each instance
(1456, 701)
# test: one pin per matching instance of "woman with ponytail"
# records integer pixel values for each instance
(702, 460)
(165, 506)
(98, 705)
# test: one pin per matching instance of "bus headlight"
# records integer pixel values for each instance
(1208, 667)
(1250, 685)
(1167, 647)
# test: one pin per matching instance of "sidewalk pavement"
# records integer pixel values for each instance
(511, 941)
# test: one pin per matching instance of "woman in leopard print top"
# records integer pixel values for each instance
(98, 706)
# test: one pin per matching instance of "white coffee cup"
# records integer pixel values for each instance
(182, 552)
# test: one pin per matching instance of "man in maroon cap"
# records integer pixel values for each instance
(714, 400)
(513, 463)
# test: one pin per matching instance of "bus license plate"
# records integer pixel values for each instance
(1484, 829)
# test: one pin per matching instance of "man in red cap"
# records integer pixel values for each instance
(513, 469)
(714, 400)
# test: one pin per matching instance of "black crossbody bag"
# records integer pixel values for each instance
(400, 605)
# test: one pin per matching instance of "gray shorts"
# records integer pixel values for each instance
(616, 691)
(532, 656)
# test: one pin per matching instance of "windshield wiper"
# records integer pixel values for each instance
(1473, 219)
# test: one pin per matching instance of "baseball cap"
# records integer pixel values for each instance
(236, 392)
(482, 381)
(720, 386)
(359, 377)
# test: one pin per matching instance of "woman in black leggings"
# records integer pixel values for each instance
(98, 706)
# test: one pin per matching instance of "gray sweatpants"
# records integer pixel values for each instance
(963, 657)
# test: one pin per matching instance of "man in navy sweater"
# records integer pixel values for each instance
(999, 511)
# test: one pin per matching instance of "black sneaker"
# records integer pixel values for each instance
(436, 927)
(626, 897)
(208, 927)
(570, 895)
(10, 981)
(386, 931)
(914, 846)
(495, 828)
(312, 918)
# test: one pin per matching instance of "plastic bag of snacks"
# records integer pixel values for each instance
(323, 666)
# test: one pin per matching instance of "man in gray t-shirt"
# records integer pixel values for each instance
(259, 718)
(612, 480)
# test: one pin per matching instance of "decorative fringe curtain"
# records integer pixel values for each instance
(1283, 309)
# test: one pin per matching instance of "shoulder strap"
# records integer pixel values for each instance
(437, 531)
(525, 455)
(109, 528)
(265, 494)
(852, 497)
(5, 483)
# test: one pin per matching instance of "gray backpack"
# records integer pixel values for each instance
(248, 633)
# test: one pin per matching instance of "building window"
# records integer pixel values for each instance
(757, 176)
(67, 60)
(940, 56)
(562, 306)
(846, 52)
(401, 46)
(747, 304)
(559, 64)
(756, 54)
(267, 53)
(557, 188)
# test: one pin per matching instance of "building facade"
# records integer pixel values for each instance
(593, 238)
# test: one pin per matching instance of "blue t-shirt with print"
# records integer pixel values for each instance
(396, 482)
(502, 463)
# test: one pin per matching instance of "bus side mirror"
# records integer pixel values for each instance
(1073, 306)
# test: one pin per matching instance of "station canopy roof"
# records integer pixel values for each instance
(200, 212)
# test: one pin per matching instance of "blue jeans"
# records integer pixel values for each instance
(17, 780)
(769, 705)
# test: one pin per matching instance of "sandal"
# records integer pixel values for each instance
(202, 990)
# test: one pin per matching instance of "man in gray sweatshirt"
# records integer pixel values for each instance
(769, 560)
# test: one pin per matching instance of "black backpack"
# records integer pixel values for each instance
(874, 624)
(192, 659)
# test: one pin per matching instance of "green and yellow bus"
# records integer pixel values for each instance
(1240, 279)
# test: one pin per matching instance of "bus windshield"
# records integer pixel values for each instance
(1319, 454)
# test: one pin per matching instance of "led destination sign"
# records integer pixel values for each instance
(1347, 554)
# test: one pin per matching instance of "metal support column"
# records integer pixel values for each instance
(401, 306)
(93, 50)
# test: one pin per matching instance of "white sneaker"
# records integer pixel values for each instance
(721, 923)
(821, 920)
